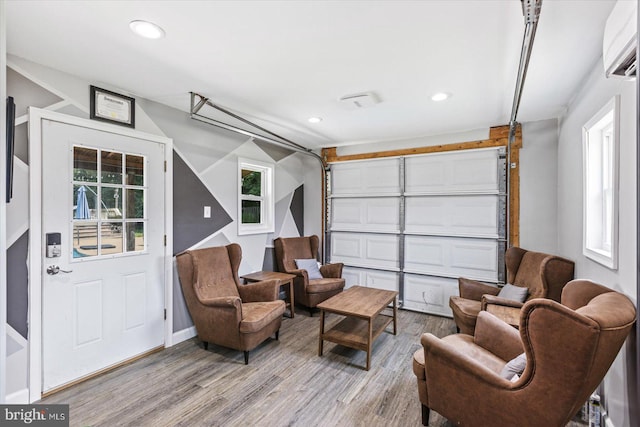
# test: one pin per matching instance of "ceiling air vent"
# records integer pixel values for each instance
(359, 100)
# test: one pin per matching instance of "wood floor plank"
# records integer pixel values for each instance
(285, 383)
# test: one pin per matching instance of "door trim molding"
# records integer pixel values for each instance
(36, 116)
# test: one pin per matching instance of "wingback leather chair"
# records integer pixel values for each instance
(569, 348)
(308, 292)
(544, 275)
(225, 312)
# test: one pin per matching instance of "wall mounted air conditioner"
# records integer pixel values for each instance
(620, 40)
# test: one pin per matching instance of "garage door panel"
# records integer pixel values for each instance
(474, 216)
(383, 280)
(429, 294)
(361, 249)
(345, 247)
(371, 278)
(352, 276)
(452, 172)
(364, 178)
(476, 172)
(452, 257)
(366, 214)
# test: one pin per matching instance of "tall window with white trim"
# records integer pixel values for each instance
(600, 183)
(255, 197)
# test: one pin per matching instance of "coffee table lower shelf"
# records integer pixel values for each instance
(354, 333)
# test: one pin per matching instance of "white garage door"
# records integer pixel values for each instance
(415, 224)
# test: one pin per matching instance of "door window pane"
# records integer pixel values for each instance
(111, 238)
(84, 202)
(135, 236)
(85, 164)
(135, 170)
(85, 239)
(111, 206)
(135, 203)
(111, 167)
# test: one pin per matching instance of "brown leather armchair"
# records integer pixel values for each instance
(569, 348)
(543, 274)
(225, 312)
(308, 292)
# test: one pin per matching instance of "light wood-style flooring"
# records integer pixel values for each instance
(285, 383)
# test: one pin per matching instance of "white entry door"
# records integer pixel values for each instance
(103, 296)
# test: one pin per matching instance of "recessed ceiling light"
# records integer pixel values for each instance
(146, 29)
(314, 119)
(441, 96)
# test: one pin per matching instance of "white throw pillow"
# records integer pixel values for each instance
(514, 367)
(514, 293)
(311, 265)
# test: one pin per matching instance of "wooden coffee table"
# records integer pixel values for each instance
(363, 322)
(283, 280)
(510, 315)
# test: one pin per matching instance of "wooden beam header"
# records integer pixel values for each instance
(498, 137)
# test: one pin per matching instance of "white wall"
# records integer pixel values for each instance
(538, 186)
(619, 385)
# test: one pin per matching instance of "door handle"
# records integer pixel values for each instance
(54, 269)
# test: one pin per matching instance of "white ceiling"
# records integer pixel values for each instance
(281, 62)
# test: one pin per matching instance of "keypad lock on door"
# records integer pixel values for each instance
(54, 246)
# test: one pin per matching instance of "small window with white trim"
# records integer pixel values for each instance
(255, 197)
(600, 186)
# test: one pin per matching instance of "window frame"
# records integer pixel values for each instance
(102, 210)
(267, 198)
(600, 196)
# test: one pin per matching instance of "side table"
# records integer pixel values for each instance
(511, 315)
(282, 278)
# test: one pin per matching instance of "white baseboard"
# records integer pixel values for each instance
(184, 335)
(20, 397)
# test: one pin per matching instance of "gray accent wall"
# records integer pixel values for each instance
(269, 263)
(17, 279)
(297, 208)
(181, 316)
(276, 152)
(190, 196)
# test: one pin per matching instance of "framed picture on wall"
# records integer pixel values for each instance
(10, 144)
(112, 107)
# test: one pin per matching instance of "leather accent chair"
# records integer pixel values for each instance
(308, 292)
(543, 274)
(225, 312)
(569, 348)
